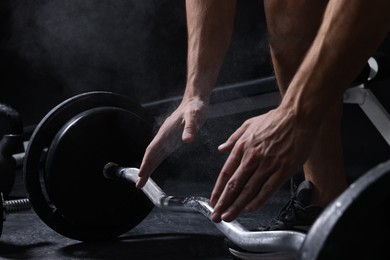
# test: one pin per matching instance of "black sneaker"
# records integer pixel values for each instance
(297, 215)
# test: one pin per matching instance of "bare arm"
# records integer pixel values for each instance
(266, 150)
(351, 31)
(210, 25)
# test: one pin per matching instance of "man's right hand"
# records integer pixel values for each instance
(180, 127)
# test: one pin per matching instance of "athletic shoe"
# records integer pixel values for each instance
(298, 215)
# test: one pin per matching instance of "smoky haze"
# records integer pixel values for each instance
(54, 49)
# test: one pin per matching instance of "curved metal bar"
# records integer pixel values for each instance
(255, 241)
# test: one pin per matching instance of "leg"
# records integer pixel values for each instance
(292, 26)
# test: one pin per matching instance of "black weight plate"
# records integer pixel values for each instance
(74, 163)
(356, 224)
(42, 138)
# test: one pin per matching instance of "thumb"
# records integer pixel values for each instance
(189, 131)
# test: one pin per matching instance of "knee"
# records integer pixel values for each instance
(293, 22)
(292, 26)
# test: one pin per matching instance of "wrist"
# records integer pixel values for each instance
(199, 92)
(307, 111)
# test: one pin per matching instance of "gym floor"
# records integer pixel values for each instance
(171, 235)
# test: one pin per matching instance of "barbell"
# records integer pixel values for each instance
(67, 163)
(341, 231)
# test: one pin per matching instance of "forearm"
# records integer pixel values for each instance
(210, 25)
(350, 32)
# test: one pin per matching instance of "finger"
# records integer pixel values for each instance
(229, 144)
(247, 194)
(163, 144)
(232, 188)
(229, 194)
(190, 128)
(270, 186)
(149, 163)
(158, 149)
(227, 205)
(230, 166)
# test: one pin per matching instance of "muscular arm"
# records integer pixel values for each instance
(351, 31)
(266, 150)
(210, 26)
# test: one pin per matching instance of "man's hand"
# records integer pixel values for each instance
(264, 152)
(180, 127)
